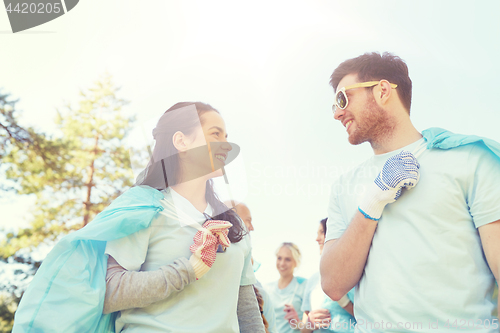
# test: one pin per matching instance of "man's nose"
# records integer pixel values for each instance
(338, 113)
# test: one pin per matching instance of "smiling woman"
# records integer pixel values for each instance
(156, 253)
(286, 293)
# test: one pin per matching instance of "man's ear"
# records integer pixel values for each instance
(384, 92)
(180, 141)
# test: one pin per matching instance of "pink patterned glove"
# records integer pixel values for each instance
(219, 229)
(205, 245)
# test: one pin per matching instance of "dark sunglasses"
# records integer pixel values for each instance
(341, 100)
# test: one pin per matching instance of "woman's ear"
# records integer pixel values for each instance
(179, 141)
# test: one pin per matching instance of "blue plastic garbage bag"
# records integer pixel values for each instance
(67, 293)
(443, 139)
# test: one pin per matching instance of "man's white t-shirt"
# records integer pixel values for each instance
(426, 264)
(206, 305)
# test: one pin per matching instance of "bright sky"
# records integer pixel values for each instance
(265, 66)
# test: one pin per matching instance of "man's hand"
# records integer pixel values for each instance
(321, 318)
(399, 171)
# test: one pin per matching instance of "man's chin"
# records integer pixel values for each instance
(355, 140)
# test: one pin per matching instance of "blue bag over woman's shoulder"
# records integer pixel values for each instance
(67, 292)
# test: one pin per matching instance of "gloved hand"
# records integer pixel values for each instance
(205, 245)
(219, 229)
(399, 171)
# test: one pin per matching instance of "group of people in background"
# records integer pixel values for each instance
(169, 256)
(293, 303)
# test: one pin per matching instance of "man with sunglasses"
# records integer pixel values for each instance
(416, 227)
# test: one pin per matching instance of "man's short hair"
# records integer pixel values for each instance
(373, 67)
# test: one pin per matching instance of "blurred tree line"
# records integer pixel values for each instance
(74, 174)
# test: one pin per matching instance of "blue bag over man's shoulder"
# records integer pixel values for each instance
(443, 139)
(67, 292)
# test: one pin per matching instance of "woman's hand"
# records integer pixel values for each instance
(205, 245)
(291, 314)
(321, 318)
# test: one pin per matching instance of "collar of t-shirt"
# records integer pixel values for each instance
(186, 206)
(379, 160)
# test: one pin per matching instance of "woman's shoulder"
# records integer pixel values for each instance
(145, 192)
(139, 201)
(300, 280)
(138, 196)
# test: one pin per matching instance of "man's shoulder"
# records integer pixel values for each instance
(481, 149)
(465, 154)
(448, 141)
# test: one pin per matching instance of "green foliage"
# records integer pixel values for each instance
(15, 275)
(11, 133)
(35, 146)
(75, 175)
(8, 306)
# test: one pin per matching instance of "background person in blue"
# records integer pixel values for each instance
(171, 267)
(319, 309)
(287, 293)
(416, 226)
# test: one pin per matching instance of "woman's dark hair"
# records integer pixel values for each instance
(323, 224)
(222, 212)
(184, 122)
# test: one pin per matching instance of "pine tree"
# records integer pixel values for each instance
(11, 132)
(87, 166)
(94, 170)
(15, 137)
